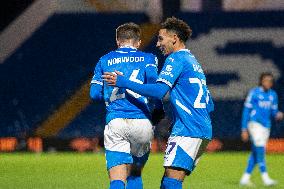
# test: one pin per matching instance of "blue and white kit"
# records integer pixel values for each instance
(128, 133)
(183, 76)
(192, 103)
(260, 106)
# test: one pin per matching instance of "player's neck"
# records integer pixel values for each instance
(264, 89)
(127, 45)
(179, 47)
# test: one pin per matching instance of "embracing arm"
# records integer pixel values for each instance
(157, 90)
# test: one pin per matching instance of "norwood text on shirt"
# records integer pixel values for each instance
(124, 59)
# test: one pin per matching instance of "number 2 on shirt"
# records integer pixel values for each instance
(133, 77)
(197, 102)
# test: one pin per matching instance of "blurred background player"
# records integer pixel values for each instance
(128, 133)
(261, 104)
(183, 76)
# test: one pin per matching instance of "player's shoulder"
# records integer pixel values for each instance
(273, 92)
(147, 54)
(149, 58)
(107, 56)
(255, 90)
(183, 54)
(172, 57)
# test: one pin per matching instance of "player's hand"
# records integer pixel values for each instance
(245, 135)
(279, 116)
(111, 78)
(157, 116)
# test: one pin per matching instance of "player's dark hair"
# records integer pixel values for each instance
(177, 26)
(263, 75)
(128, 31)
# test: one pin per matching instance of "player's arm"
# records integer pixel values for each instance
(96, 92)
(210, 104)
(274, 109)
(151, 72)
(97, 84)
(157, 90)
(165, 81)
(246, 115)
(151, 75)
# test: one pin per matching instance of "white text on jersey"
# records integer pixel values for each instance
(124, 59)
(197, 68)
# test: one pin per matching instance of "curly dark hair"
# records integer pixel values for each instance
(263, 75)
(128, 31)
(177, 26)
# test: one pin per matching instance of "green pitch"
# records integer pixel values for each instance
(87, 171)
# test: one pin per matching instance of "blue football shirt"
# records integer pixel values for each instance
(139, 67)
(260, 106)
(189, 96)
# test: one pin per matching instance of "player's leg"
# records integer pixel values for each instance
(259, 137)
(181, 157)
(245, 180)
(117, 176)
(173, 178)
(254, 134)
(134, 180)
(118, 155)
(260, 155)
(251, 161)
(140, 136)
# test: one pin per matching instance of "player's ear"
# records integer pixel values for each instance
(137, 44)
(175, 38)
(117, 43)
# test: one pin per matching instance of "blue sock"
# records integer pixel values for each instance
(134, 182)
(117, 184)
(170, 183)
(260, 158)
(251, 163)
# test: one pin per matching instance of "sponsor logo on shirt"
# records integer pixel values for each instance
(168, 72)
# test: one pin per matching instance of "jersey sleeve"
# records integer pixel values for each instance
(97, 79)
(171, 71)
(151, 77)
(209, 101)
(97, 83)
(274, 107)
(151, 70)
(248, 106)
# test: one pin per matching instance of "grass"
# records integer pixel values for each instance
(87, 170)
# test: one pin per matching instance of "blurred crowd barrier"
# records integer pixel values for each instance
(37, 145)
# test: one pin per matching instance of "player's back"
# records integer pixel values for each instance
(190, 96)
(123, 103)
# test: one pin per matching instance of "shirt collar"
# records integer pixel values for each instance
(262, 90)
(186, 50)
(128, 47)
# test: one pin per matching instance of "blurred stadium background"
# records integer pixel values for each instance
(48, 50)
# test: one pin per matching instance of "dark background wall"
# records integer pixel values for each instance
(60, 56)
